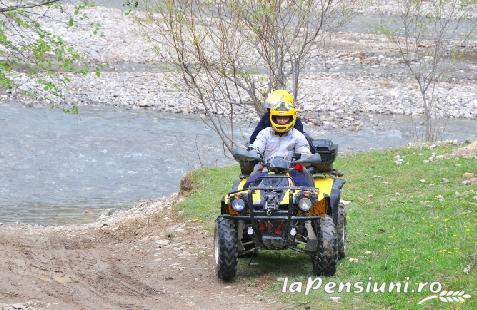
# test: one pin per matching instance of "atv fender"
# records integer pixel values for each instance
(238, 184)
(335, 197)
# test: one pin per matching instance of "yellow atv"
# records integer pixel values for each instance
(274, 214)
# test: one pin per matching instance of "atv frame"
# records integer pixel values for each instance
(321, 230)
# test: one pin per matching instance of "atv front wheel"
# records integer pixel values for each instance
(341, 231)
(225, 249)
(326, 256)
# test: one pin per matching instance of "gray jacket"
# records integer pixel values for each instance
(270, 144)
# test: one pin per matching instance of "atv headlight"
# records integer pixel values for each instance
(305, 204)
(238, 204)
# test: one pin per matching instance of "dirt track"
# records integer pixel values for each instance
(137, 262)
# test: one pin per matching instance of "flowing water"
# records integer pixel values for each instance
(56, 165)
(59, 168)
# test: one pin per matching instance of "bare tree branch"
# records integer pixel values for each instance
(430, 31)
(231, 53)
(27, 6)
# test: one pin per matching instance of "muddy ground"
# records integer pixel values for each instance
(157, 261)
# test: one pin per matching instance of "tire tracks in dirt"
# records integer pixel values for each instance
(152, 262)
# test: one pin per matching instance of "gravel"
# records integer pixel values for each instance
(354, 74)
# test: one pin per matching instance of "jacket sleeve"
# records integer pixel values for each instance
(261, 141)
(301, 144)
(262, 124)
(298, 125)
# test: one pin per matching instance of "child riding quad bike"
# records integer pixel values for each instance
(282, 205)
(276, 214)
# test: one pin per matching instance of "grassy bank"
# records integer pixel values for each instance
(410, 222)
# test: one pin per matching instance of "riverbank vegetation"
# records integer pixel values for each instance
(31, 51)
(411, 217)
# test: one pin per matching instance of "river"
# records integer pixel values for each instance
(60, 168)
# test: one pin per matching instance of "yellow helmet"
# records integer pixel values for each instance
(282, 105)
(277, 96)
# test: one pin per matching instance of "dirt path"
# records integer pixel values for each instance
(136, 262)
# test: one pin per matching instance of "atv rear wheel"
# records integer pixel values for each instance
(341, 231)
(326, 256)
(225, 249)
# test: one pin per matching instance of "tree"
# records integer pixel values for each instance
(230, 53)
(27, 48)
(431, 33)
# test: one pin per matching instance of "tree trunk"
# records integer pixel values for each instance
(428, 122)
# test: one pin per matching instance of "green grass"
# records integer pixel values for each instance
(398, 227)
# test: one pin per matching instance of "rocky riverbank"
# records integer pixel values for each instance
(354, 75)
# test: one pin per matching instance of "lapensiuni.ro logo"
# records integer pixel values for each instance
(434, 289)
